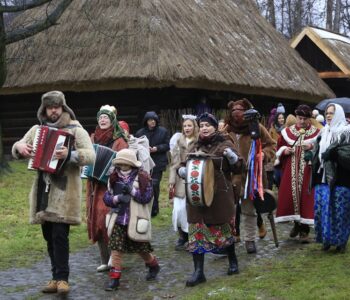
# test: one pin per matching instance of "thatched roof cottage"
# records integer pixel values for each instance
(151, 53)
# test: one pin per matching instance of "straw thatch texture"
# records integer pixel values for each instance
(117, 44)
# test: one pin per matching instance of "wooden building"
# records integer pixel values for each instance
(329, 54)
(152, 55)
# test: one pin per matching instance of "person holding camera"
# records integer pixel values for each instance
(129, 194)
(246, 130)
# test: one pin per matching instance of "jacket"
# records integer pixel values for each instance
(65, 191)
(157, 137)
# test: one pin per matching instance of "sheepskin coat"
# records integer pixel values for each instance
(178, 156)
(65, 190)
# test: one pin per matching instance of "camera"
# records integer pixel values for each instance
(253, 116)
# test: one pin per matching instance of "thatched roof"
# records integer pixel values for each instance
(117, 44)
(335, 46)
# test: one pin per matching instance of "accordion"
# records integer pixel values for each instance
(99, 170)
(46, 141)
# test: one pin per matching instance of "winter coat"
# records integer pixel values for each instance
(158, 137)
(336, 164)
(244, 144)
(96, 210)
(141, 194)
(179, 155)
(65, 191)
(222, 208)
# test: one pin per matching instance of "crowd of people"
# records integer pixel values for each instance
(218, 171)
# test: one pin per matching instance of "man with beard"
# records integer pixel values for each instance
(55, 199)
(295, 200)
(238, 128)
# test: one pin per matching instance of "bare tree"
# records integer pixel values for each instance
(8, 37)
(336, 19)
(329, 14)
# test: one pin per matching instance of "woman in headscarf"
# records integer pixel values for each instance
(330, 175)
(209, 228)
(109, 134)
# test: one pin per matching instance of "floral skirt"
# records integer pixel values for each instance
(120, 241)
(204, 238)
(332, 215)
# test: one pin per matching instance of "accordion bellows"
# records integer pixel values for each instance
(99, 170)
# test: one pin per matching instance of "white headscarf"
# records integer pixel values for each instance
(332, 132)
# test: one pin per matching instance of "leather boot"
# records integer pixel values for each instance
(183, 239)
(153, 269)
(232, 260)
(198, 274)
(114, 275)
(295, 230)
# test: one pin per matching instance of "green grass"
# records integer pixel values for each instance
(306, 273)
(22, 244)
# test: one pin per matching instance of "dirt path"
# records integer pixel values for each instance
(86, 283)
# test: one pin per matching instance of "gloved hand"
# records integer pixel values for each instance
(231, 156)
(182, 172)
(124, 198)
(126, 189)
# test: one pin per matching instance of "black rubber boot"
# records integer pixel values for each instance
(198, 274)
(183, 239)
(232, 260)
(153, 270)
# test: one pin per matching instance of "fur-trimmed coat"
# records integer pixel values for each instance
(222, 208)
(178, 156)
(65, 191)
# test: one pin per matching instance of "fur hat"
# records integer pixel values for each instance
(303, 110)
(245, 103)
(53, 98)
(206, 117)
(126, 157)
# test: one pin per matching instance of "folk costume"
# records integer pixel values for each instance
(332, 185)
(183, 146)
(209, 228)
(130, 194)
(114, 138)
(55, 199)
(240, 131)
(295, 200)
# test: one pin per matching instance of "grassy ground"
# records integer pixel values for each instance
(306, 273)
(21, 244)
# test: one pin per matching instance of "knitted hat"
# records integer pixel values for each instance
(126, 157)
(320, 119)
(53, 98)
(206, 117)
(124, 125)
(303, 110)
(280, 109)
(108, 110)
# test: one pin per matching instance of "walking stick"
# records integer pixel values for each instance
(273, 227)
